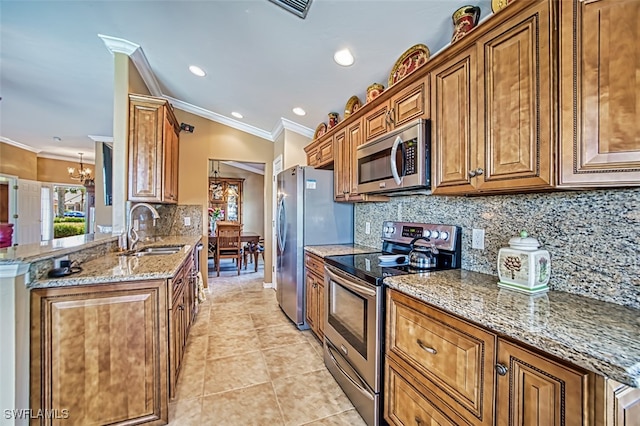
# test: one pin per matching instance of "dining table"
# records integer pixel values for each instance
(251, 238)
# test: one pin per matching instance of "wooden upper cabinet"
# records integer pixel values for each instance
(492, 127)
(537, 391)
(153, 150)
(515, 114)
(599, 68)
(341, 165)
(453, 128)
(320, 152)
(410, 103)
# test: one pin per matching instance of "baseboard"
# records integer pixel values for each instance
(267, 285)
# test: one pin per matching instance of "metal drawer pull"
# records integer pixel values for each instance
(426, 348)
(501, 369)
(418, 421)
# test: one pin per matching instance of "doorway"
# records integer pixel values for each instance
(68, 212)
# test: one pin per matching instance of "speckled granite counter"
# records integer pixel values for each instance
(338, 249)
(598, 336)
(113, 267)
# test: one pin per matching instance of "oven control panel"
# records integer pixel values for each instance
(443, 236)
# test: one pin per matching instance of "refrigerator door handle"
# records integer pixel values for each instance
(282, 220)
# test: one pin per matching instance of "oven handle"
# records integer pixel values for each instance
(360, 384)
(347, 282)
(392, 159)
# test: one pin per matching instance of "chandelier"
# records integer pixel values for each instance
(83, 173)
(218, 192)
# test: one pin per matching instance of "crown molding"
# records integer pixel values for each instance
(139, 59)
(18, 144)
(218, 118)
(137, 56)
(105, 139)
(66, 158)
(243, 167)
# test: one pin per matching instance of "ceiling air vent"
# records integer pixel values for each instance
(297, 7)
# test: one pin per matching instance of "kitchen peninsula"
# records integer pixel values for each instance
(106, 343)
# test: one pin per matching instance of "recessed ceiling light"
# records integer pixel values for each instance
(299, 111)
(197, 71)
(237, 114)
(343, 57)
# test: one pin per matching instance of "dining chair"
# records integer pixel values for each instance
(228, 245)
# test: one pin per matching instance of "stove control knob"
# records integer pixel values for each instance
(435, 234)
(385, 229)
(444, 235)
(426, 233)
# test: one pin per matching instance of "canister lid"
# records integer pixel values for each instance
(524, 242)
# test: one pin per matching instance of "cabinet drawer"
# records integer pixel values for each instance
(455, 357)
(405, 405)
(314, 264)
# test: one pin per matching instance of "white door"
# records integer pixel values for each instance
(46, 212)
(277, 168)
(28, 222)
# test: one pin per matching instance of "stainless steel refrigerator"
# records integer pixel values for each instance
(306, 216)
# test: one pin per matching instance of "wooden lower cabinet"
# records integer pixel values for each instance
(314, 287)
(100, 352)
(533, 390)
(440, 369)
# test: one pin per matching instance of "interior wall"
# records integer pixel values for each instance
(294, 154)
(252, 194)
(53, 170)
(103, 213)
(212, 140)
(18, 162)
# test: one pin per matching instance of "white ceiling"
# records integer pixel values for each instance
(56, 74)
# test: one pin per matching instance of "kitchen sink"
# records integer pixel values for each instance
(154, 251)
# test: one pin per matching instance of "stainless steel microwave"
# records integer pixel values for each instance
(396, 163)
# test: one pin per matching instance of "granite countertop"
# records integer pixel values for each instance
(598, 336)
(115, 268)
(28, 253)
(338, 249)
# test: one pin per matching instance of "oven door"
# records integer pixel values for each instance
(353, 322)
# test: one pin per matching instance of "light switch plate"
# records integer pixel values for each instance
(367, 228)
(477, 239)
(187, 221)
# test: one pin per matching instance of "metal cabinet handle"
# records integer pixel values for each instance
(418, 421)
(502, 369)
(426, 348)
(479, 171)
(472, 173)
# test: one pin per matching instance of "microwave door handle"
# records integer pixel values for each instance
(394, 165)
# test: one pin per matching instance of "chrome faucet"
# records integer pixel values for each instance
(132, 233)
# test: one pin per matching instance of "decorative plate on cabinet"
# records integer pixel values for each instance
(497, 5)
(352, 106)
(320, 130)
(411, 60)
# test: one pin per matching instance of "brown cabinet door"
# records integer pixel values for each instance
(326, 153)
(321, 308)
(411, 103)
(116, 334)
(170, 150)
(376, 122)
(355, 139)
(623, 404)
(146, 125)
(515, 135)
(454, 138)
(537, 391)
(454, 358)
(341, 166)
(600, 100)
(311, 313)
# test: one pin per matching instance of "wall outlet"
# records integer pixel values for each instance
(367, 228)
(477, 239)
(187, 221)
(56, 261)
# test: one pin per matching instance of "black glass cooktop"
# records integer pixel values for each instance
(367, 266)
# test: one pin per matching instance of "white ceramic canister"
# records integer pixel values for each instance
(523, 266)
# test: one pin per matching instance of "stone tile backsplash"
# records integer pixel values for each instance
(171, 221)
(593, 236)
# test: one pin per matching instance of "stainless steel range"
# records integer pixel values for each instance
(354, 294)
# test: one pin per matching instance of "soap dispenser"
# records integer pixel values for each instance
(523, 266)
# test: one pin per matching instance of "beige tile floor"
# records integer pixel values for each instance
(247, 364)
